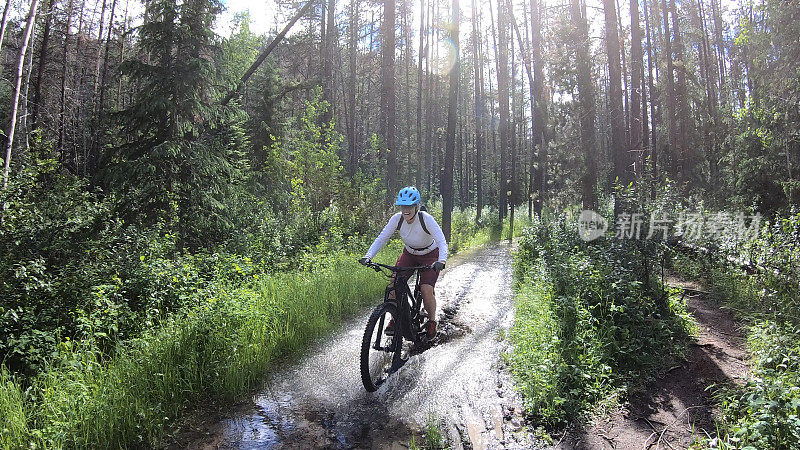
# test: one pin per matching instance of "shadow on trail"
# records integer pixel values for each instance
(678, 406)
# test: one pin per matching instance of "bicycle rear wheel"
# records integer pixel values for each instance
(379, 351)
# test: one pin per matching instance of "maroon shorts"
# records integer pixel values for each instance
(427, 276)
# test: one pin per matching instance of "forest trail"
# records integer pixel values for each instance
(677, 407)
(319, 401)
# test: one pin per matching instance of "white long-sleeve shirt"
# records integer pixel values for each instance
(413, 236)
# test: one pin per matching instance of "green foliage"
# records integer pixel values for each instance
(434, 439)
(179, 153)
(13, 420)
(55, 239)
(219, 348)
(765, 412)
(588, 321)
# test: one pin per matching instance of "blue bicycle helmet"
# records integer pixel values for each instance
(409, 195)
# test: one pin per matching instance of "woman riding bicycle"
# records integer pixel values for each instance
(425, 245)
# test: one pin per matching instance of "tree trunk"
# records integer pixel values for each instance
(329, 41)
(27, 85)
(723, 84)
(710, 78)
(351, 85)
(637, 67)
(452, 107)
(99, 49)
(63, 103)
(408, 163)
(619, 148)
(684, 149)
(104, 75)
(429, 103)
(388, 100)
(420, 89)
(480, 112)
(653, 100)
(626, 102)
(3, 22)
(539, 109)
(586, 102)
(37, 90)
(669, 79)
(26, 36)
(122, 55)
(502, 99)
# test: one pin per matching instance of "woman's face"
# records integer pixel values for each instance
(409, 212)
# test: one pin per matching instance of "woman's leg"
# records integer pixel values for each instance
(429, 300)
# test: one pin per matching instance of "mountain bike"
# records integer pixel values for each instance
(383, 353)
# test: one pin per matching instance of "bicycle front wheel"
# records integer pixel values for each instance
(380, 350)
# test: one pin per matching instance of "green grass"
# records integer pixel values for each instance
(217, 350)
(765, 412)
(587, 327)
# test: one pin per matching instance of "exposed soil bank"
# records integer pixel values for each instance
(678, 406)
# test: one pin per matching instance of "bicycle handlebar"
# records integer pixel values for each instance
(377, 267)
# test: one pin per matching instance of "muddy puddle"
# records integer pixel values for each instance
(319, 401)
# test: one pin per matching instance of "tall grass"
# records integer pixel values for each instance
(216, 350)
(587, 325)
(13, 423)
(765, 412)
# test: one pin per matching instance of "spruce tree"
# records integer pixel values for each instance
(179, 153)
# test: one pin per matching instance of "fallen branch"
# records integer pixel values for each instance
(264, 53)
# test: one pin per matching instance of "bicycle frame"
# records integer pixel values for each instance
(408, 311)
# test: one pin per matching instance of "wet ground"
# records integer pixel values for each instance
(319, 401)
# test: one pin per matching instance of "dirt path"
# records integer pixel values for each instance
(319, 402)
(676, 407)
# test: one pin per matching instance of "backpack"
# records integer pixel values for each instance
(421, 220)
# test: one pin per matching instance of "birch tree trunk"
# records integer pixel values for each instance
(26, 35)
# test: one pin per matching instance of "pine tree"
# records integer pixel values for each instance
(179, 154)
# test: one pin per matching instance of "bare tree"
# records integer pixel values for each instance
(586, 103)
(388, 99)
(26, 36)
(452, 107)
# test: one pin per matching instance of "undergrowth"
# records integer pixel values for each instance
(218, 349)
(765, 411)
(592, 321)
(100, 391)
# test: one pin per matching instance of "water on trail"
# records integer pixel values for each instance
(319, 401)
